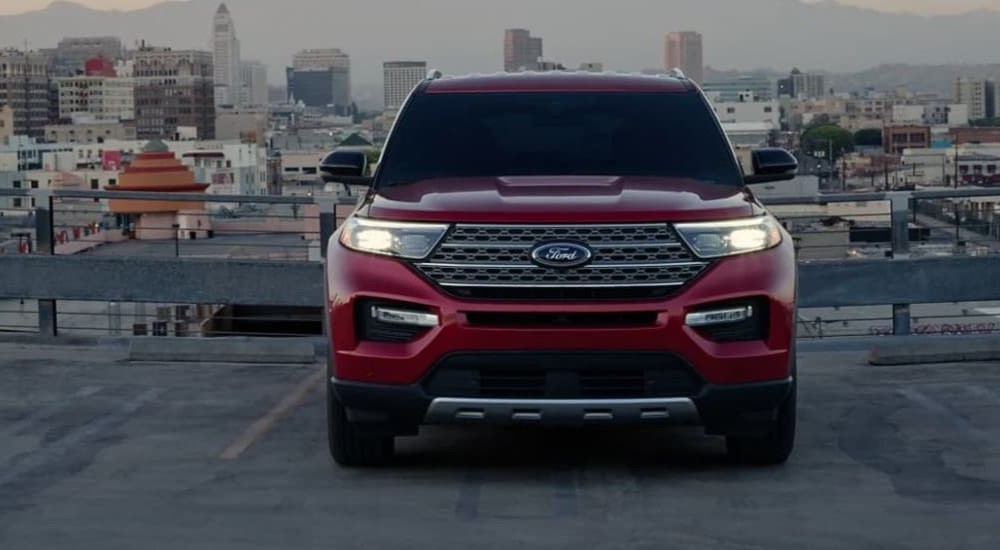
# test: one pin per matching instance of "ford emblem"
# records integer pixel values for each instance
(561, 254)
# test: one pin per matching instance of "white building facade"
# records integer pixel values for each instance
(934, 114)
(253, 84)
(400, 77)
(226, 58)
(105, 98)
(747, 110)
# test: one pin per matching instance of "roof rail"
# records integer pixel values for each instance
(434, 74)
(677, 73)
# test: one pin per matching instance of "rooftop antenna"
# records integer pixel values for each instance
(434, 74)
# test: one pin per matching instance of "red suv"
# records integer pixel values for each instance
(546, 249)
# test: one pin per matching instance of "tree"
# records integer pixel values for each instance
(820, 139)
(373, 154)
(821, 119)
(985, 122)
(869, 137)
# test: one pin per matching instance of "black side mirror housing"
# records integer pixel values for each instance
(772, 164)
(348, 167)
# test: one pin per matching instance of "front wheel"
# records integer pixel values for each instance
(350, 445)
(773, 447)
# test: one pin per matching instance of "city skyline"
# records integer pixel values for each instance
(927, 7)
(923, 52)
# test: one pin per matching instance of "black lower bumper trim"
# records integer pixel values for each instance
(739, 409)
(742, 409)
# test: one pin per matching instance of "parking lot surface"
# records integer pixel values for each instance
(100, 453)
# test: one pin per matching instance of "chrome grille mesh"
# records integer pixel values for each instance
(630, 255)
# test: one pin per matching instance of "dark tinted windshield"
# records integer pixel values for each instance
(555, 133)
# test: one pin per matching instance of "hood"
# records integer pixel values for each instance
(562, 199)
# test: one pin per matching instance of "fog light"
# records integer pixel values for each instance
(718, 317)
(404, 317)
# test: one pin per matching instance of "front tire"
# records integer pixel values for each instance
(350, 446)
(775, 446)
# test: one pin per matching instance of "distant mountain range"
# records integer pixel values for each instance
(467, 35)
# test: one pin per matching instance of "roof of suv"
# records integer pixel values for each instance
(558, 81)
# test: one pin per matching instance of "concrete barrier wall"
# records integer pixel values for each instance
(89, 242)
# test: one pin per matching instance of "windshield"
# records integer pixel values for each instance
(557, 134)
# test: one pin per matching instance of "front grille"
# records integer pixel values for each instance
(494, 262)
(562, 376)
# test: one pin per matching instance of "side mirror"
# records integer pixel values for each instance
(349, 167)
(771, 164)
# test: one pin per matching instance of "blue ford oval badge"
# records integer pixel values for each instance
(561, 254)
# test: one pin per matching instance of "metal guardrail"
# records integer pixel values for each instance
(898, 281)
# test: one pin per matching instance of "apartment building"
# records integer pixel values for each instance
(90, 131)
(399, 79)
(979, 95)
(321, 78)
(685, 51)
(174, 89)
(521, 51)
(24, 88)
(896, 139)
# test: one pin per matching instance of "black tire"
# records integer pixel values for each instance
(349, 445)
(772, 448)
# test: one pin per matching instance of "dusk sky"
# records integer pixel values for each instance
(919, 6)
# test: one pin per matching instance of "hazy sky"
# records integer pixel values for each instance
(919, 6)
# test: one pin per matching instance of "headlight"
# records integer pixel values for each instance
(728, 238)
(405, 240)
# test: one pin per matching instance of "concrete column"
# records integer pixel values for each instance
(45, 244)
(327, 221)
(901, 213)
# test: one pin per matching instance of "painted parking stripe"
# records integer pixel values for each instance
(265, 424)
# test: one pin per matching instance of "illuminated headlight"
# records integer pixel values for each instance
(728, 238)
(406, 240)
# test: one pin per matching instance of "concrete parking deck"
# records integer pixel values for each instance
(96, 452)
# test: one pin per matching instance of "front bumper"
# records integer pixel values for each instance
(741, 409)
(353, 276)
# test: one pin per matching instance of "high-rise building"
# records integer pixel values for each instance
(253, 81)
(225, 58)
(6, 123)
(70, 55)
(320, 59)
(24, 87)
(979, 95)
(800, 85)
(521, 51)
(685, 52)
(400, 77)
(321, 78)
(173, 89)
(100, 93)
